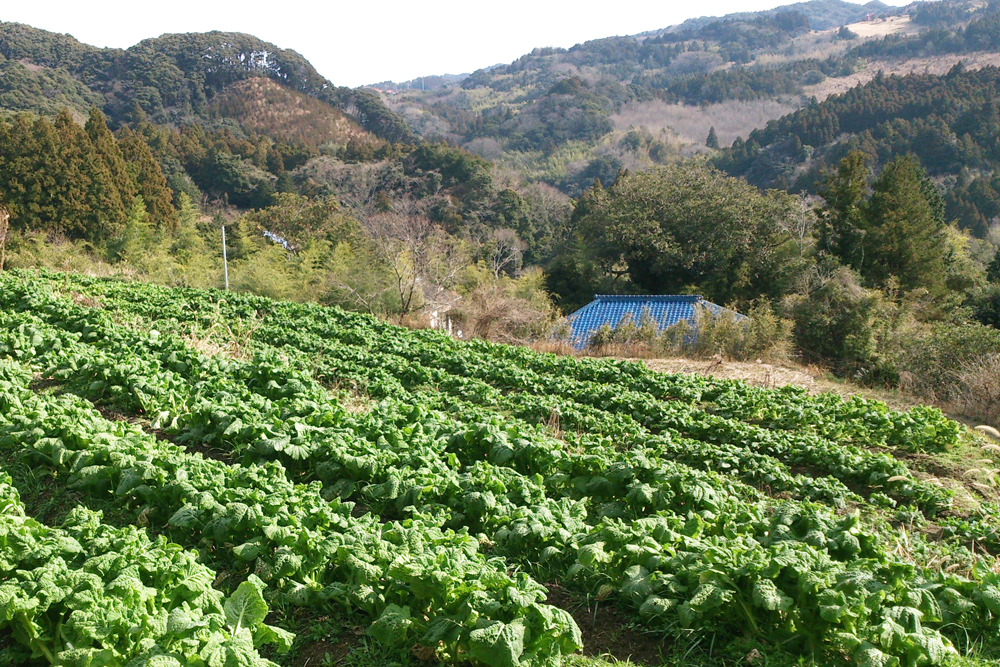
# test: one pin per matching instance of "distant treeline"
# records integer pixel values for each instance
(79, 182)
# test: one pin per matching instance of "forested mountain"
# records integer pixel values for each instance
(565, 115)
(172, 78)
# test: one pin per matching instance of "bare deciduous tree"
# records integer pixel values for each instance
(505, 249)
(418, 253)
(495, 312)
(798, 223)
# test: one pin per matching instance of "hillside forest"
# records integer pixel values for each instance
(854, 215)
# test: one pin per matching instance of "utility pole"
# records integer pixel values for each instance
(4, 230)
(225, 260)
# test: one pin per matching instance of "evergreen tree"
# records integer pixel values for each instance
(108, 151)
(149, 178)
(62, 157)
(993, 270)
(18, 153)
(107, 209)
(906, 229)
(842, 224)
(713, 139)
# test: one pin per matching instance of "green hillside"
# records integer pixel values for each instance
(949, 122)
(822, 14)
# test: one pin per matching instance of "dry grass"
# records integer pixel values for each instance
(415, 320)
(818, 44)
(559, 347)
(691, 123)
(893, 25)
(930, 65)
(265, 106)
(86, 301)
(208, 346)
(352, 401)
(235, 342)
(979, 389)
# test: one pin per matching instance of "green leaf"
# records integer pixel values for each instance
(246, 608)
(708, 597)
(768, 596)
(869, 656)
(268, 634)
(392, 625)
(498, 644)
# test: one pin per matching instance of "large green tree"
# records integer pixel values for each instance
(687, 228)
(906, 238)
(102, 210)
(842, 224)
(149, 179)
(109, 152)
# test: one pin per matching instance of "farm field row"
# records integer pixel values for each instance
(431, 489)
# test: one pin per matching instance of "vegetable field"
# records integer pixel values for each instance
(245, 463)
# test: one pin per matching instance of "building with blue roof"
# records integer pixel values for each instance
(610, 309)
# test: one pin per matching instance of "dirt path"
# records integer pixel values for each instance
(814, 380)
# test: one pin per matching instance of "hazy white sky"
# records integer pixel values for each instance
(359, 42)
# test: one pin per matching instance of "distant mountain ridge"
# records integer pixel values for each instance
(822, 14)
(433, 82)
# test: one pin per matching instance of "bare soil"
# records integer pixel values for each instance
(608, 630)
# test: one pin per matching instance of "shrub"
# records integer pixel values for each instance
(941, 360)
(761, 335)
(841, 324)
(504, 309)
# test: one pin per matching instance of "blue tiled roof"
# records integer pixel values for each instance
(610, 309)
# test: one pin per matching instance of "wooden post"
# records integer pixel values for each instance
(4, 231)
(225, 260)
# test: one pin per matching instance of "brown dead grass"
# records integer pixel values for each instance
(208, 346)
(267, 107)
(691, 123)
(86, 301)
(223, 340)
(758, 374)
(554, 347)
(813, 379)
(354, 402)
(930, 65)
(892, 25)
